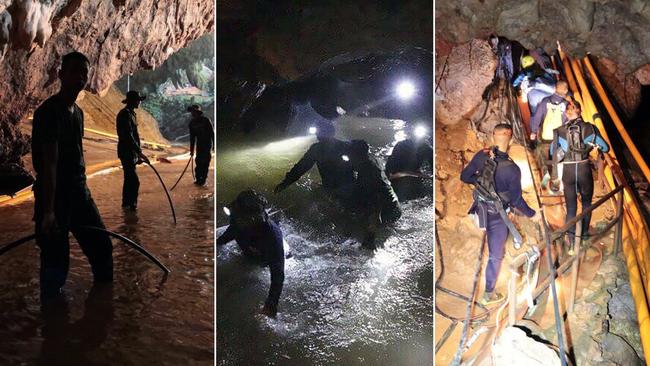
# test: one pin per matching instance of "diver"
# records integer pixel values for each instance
(62, 199)
(410, 164)
(571, 146)
(375, 193)
(497, 181)
(201, 134)
(260, 239)
(328, 154)
(128, 148)
(550, 114)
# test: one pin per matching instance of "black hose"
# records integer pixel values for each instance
(171, 204)
(183, 173)
(192, 169)
(4, 249)
(463, 338)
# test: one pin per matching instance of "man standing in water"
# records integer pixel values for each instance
(62, 199)
(128, 148)
(495, 172)
(259, 239)
(201, 134)
(375, 193)
(328, 154)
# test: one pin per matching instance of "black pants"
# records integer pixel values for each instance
(131, 183)
(577, 178)
(202, 162)
(73, 208)
(277, 282)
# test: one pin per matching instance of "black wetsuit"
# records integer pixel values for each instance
(336, 174)
(410, 156)
(73, 204)
(576, 172)
(128, 150)
(201, 134)
(263, 242)
(507, 183)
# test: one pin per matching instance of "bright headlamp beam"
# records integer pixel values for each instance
(226, 210)
(420, 131)
(345, 158)
(313, 130)
(405, 90)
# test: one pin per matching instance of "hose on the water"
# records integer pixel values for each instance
(171, 204)
(181, 176)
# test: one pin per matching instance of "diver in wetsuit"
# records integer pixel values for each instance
(336, 174)
(410, 164)
(259, 239)
(375, 193)
(506, 182)
(571, 145)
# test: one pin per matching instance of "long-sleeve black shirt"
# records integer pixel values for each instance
(128, 145)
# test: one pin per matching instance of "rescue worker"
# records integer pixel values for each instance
(572, 144)
(410, 164)
(534, 82)
(128, 148)
(259, 239)
(550, 115)
(336, 174)
(62, 200)
(375, 192)
(201, 135)
(505, 181)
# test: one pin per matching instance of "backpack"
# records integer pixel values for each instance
(577, 149)
(553, 119)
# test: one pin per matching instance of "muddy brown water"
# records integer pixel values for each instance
(140, 320)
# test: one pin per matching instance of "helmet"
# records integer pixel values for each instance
(527, 61)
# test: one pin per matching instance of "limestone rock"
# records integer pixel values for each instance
(469, 69)
(514, 347)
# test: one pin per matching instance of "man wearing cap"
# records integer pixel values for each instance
(128, 148)
(201, 134)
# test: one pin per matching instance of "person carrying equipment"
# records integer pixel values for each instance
(128, 148)
(336, 174)
(259, 239)
(535, 83)
(571, 145)
(375, 192)
(549, 116)
(201, 135)
(62, 201)
(497, 181)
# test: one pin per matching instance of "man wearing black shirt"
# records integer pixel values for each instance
(201, 135)
(62, 199)
(128, 148)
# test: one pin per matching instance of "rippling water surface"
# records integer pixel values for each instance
(341, 304)
(141, 320)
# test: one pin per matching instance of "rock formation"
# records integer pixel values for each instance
(118, 37)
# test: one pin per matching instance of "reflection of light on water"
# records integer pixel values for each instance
(384, 259)
(286, 145)
(400, 136)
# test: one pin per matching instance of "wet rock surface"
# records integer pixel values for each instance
(514, 347)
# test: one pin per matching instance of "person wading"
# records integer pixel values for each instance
(260, 239)
(62, 199)
(571, 145)
(336, 174)
(493, 172)
(201, 136)
(128, 148)
(375, 193)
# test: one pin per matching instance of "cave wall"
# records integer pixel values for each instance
(117, 36)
